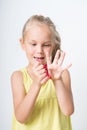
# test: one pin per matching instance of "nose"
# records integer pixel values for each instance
(39, 49)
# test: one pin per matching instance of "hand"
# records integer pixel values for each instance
(55, 68)
(39, 74)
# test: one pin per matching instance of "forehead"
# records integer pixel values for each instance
(38, 30)
(38, 26)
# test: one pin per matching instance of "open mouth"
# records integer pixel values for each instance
(39, 58)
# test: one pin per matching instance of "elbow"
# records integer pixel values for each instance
(20, 119)
(21, 116)
(69, 111)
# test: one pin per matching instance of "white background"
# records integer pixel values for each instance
(70, 18)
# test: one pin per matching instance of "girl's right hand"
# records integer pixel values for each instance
(39, 74)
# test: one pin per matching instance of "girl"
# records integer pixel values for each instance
(42, 95)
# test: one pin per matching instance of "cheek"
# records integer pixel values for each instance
(30, 52)
(29, 49)
(50, 50)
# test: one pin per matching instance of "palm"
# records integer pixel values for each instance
(55, 68)
(55, 71)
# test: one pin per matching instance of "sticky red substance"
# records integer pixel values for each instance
(45, 66)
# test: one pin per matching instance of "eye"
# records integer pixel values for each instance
(33, 44)
(48, 45)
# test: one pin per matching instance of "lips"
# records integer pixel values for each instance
(39, 58)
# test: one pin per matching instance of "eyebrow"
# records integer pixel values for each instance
(47, 41)
(42, 42)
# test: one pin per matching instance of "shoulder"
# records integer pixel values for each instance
(16, 76)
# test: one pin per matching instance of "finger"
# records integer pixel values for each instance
(61, 59)
(42, 71)
(67, 67)
(40, 67)
(36, 64)
(48, 59)
(44, 80)
(56, 57)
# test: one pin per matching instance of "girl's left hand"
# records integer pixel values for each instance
(55, 68)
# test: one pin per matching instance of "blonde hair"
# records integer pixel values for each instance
(45, 20)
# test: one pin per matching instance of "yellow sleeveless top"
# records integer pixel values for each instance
(46, 114)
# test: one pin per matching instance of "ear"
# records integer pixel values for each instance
(22, 43)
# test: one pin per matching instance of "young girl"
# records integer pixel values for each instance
(42, 95)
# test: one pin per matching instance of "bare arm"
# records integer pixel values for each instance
(24, 103)
(62, 82)
(64, 93)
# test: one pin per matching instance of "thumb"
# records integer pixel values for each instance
(48, 59)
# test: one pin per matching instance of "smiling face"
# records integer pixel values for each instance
(37, 42)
